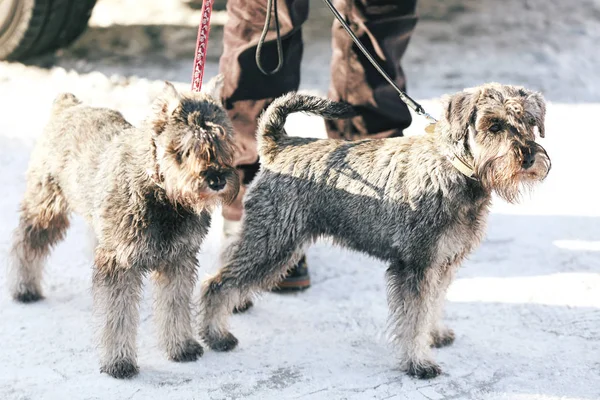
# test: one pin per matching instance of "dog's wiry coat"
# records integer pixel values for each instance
(400, 200)
(147, 194)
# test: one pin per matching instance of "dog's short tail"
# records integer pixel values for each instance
(63, 101)
(270, 126)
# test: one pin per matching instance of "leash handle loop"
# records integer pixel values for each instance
(271, 6)
(201, 45)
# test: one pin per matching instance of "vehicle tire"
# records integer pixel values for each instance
(34, 27)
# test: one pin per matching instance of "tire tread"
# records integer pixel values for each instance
(52, 24)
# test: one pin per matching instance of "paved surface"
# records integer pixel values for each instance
(525, 307)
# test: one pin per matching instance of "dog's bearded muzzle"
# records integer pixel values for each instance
(536, 164)
(232, 186)
(207, 192)
(513, 170)
(222, 186)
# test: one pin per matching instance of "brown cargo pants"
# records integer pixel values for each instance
(384, 27)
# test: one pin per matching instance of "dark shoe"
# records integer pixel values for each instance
(296, 280)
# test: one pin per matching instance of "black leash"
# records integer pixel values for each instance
(416, 107)
(403, 96)
(271, 5)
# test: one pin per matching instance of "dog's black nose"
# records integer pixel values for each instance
(216, 182)
(528, 158)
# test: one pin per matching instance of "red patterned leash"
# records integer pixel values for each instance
(201, 45)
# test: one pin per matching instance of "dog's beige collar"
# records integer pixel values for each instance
(455, 160)
(462, 166)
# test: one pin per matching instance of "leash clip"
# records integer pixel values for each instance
(429, 117)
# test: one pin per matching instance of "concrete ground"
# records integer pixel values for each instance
(525, 306)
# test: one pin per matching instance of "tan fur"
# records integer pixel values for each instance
(147, 194)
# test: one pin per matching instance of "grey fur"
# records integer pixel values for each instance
(146, 193)
(400, 200)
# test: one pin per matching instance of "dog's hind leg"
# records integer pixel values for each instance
(174, 286)
(43, 222)
(412, 298)
(117, 292)
(257, 261)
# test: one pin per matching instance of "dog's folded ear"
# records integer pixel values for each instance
(214, 87)
(539, 114)
(63, 101)
(164, 106)
(460, 111)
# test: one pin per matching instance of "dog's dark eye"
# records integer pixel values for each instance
(495, 128)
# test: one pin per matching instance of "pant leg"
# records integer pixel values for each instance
(385, 28)
(247, 91)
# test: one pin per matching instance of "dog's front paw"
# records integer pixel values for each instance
(28, 296)
(190, 350)
(226, 342)
(121, 369)
(243, 307)
(442, 337)
(423, 369)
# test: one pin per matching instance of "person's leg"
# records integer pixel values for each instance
(247, 91)
(385, 28)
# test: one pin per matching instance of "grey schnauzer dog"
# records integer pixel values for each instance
(147, 193)
(418, 203)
